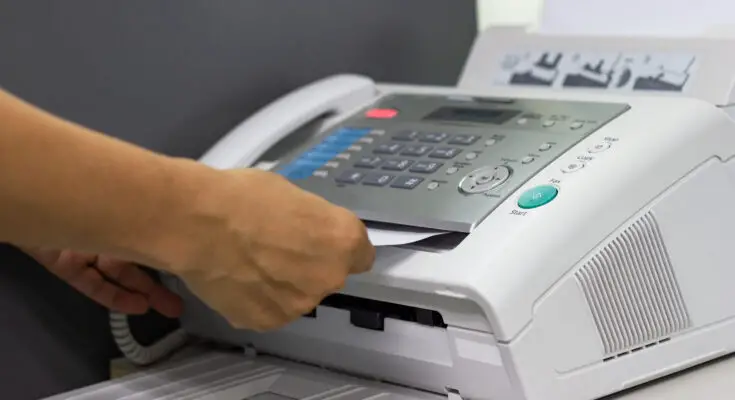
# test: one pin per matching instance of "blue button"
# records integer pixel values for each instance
(300, 163)
(293, 171)
(286, 169)
(352, 132)
(330, 148)
(538, 196)
(318, 156)
(301, 173)
(339, 140)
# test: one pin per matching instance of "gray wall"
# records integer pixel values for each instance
(174, 76)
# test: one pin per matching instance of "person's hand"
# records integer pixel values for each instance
(267, 251)
(117, 285)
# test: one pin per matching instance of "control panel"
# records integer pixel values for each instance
(441, 162)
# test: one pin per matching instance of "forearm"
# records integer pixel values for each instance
(64, 186)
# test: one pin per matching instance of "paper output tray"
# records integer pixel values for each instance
(223, 375)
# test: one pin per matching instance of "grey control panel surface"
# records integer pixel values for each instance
(440, 162)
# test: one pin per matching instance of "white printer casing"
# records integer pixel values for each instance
(624, 277)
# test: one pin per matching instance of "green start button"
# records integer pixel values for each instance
(538, 196)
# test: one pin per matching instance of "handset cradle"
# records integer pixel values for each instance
(247, 142)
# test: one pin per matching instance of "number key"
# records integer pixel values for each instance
(350, 177)
(388, 148)
(465, 140)
(433, 137)
(406, 136)
(445, 153)
(416, 151)
(377, 179)
(426, 167)
(368, 162)
(406, 182)
(397, 165)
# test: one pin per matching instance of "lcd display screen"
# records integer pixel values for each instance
(474, 115)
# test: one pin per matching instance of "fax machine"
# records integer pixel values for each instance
(562, 245)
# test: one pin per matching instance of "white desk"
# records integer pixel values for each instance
(712, 381)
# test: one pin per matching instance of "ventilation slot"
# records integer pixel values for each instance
(632, 291)
(635, 350)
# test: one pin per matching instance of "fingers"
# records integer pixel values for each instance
(92, 284)
(134, 279)
(42, 256)
(127, 274)
(365, 257)
(131, 291)
(363, 251)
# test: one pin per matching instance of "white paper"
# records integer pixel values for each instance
(395, 237)
(669, 18)
(265, 165)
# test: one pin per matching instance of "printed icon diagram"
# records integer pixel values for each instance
(592, 71)
(612, 71)
(542, 71)
(661, 73)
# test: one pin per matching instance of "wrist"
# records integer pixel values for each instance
(177, 235)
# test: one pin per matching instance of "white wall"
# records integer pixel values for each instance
(508, 12)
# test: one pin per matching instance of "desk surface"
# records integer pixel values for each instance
(711, 381)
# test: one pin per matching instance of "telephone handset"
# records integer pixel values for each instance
(329, 97)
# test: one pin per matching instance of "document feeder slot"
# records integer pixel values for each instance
(439, 162)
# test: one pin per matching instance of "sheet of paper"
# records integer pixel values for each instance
(672, 18)
(395, 237)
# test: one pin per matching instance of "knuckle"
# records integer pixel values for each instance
(238, 323)
(259, 326)
(330, 280)
(350, 231)
(272, 325)
(303, 306)
(335, 282)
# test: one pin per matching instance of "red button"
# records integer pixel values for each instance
(381, 113)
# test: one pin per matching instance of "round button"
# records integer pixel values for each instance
(470, 156)
(572, 167)
(452, 170)
(522, 121)
(576, 125)
(527, 160)
(548, 123)
(484, 179)
(599, 147)
(490, 142)
(538, 196)
(544, 147)
(432, 185)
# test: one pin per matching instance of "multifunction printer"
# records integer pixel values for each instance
(554, 227)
